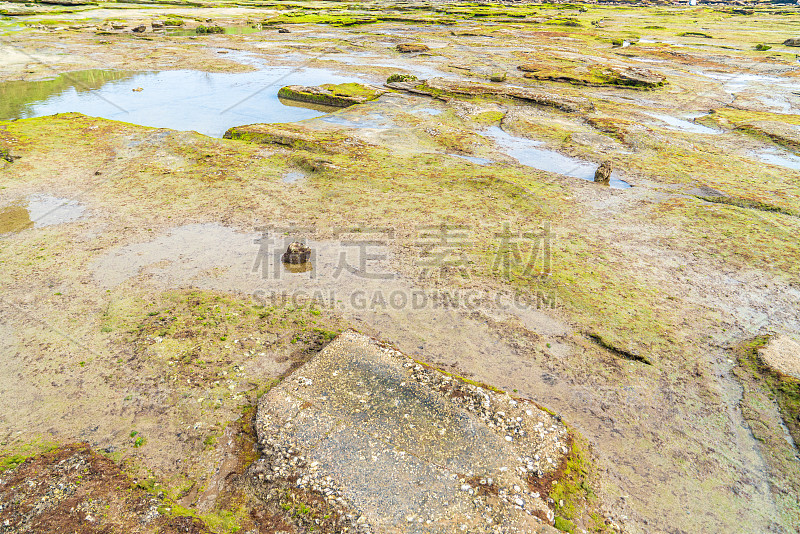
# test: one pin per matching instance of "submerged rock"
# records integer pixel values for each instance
(603, 173)
(407, 48)
(296, 254)
(339, 95)
(792, 41)
(203, 30)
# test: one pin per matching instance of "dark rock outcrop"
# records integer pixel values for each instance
(296, 254)
(603, 173)
(408, 48)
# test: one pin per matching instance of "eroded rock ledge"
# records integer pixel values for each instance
(457, 88)
(342, 95)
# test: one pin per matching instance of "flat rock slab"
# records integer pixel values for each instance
(438, 86)
(784, 134)
(407, 448)
(782, 354)
(342, 95)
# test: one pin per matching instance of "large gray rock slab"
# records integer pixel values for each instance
(407, 448)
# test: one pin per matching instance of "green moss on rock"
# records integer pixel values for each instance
(338, 95)
(202, 30)
(394, 78)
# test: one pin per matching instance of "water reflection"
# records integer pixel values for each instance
(207, 102)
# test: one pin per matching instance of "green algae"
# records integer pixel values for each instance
(14, 219)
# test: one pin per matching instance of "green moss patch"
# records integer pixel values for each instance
(594, 75)
(202, 30)
(202, 335)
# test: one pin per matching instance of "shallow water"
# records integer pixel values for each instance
(322, 108)
(428, 111)
(206, 102)
(777, 93)
(370, 120)
(741, 81)
(473, 159)
(525, 151)
(682, 125)
(292, 177)
(38, 211)
(7, 24)
(774, 156)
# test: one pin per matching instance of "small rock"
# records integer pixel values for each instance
(603, 173)
(5, 154)
(140, 29)
(792, 41)
(283, 30)
(407, 48)
(296, 253)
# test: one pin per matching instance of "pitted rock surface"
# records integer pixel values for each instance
(407, 448)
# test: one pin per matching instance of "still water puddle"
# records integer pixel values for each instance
(206, 102)
(681, 125)
(292, 177)
(778, 157)
(38, 211)
(526, 152)
(428, 111)
(371, 120)
(473, 159)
